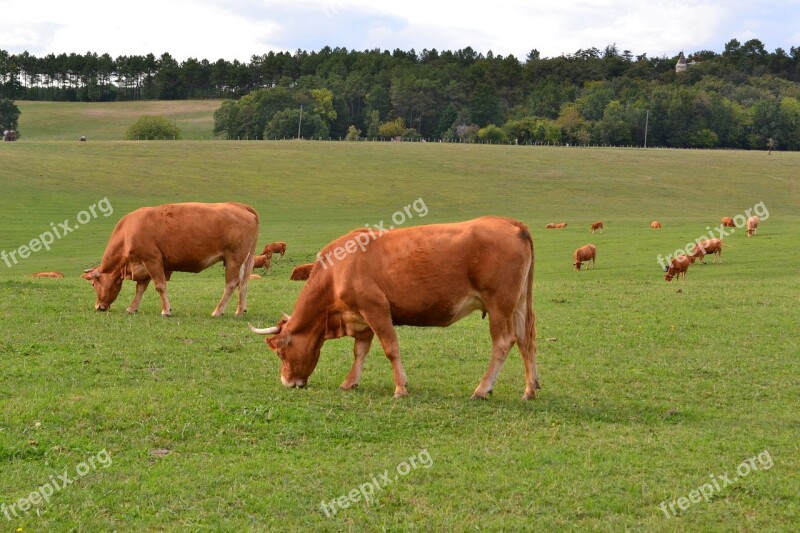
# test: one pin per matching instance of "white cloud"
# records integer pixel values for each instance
(238, 29)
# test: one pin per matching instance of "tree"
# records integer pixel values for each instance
(353, 134)
(283, 125)
(153, 127)
(9, 115)
(492, 134)
(393, 128)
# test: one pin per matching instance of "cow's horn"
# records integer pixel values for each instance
(286, 317)
(264, 331)
(88, 270)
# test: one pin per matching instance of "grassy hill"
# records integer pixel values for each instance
(45, 121)
(649, 393)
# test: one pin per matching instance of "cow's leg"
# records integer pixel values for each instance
(379, 319)
(233, 269)
(156, 271)
(360, 351)
(502, 333)
(141, 286)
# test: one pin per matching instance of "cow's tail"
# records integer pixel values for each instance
(526, 318)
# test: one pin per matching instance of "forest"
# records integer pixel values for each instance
(744, 97)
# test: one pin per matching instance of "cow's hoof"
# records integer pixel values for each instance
(529, 396)
(132, 311)
(477, 396)
(344, 386)
(400, 394)
(166, 315)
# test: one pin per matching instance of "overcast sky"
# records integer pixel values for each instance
(239, 29)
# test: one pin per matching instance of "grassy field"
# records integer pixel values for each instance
(649, 396)
(47, 121)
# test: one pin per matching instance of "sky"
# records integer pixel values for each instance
(240, 29)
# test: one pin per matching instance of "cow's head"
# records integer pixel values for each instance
(577, 266)
(668, 276)
(106, 284)
(299, 351)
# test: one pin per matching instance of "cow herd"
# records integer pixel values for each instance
(431, 275)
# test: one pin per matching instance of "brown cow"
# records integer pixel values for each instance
(46, 275)
(152, 242)
(706, 247)
(275, 248)
(598, 225)
(655, 224)
(301, 272)
(678, 266)
(419, 276)
(752, 225)
(561, 225)
(550, 226)
(263, 261)
(585, 253)
(727, 222)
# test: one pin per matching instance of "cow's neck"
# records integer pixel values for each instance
(112, 257)
(312, 308)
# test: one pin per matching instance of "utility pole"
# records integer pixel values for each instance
(300, 123)
(646, 121)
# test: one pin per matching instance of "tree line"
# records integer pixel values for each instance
(743, 97)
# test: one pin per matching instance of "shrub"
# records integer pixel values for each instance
(153, 127)
(353, 133)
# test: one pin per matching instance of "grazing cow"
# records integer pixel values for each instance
(275, 248)
(46, 275)
(152, 242)
(550, 226)
(263, 261)
(655, 224)
(419, 276)
(598, 225)
(301, 272)
(706, 247)
(752, 225)
(585, 253)
(727, 222)
(561, 225)
(678, 266)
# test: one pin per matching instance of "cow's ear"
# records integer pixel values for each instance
(277, 342)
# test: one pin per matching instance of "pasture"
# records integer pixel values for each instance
(648, 393)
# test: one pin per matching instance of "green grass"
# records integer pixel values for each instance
(48, 121)
(647, 392)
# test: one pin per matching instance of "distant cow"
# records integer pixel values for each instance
(550, 226)
(655, 224)
(275, 248)
(9, 135)
(585, 253)
(598, 225)
(152, 242)
(706, 247)
(561, 225)
(419, 276)
(678, 267)
(727, 222)
(752, 225)
(46, 275)
(263, 261)
(301, 272)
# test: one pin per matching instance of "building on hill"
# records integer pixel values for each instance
(682, 64)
